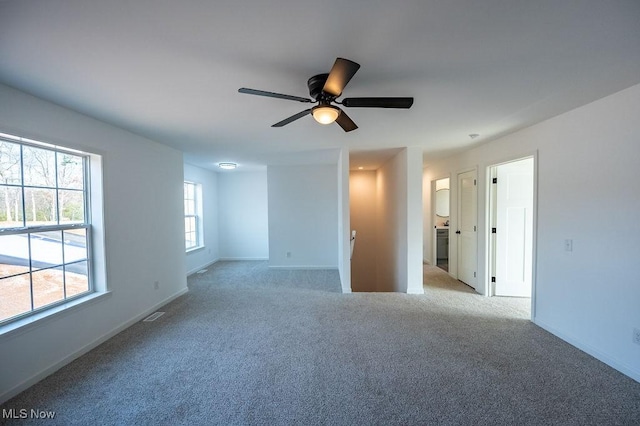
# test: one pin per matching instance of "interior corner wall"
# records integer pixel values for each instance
(427, 217)
(587, 175)
(344, 222)
(144, 237)
(414, 232)
(243, 215)
(210, 253)
(303, 216)
(399, 223)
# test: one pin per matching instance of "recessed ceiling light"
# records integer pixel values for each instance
(360, 168)
(227, 166)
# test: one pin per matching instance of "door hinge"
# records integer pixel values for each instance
(493, 230)
(474, 182)
(474, 228)
(495, 180)
(474, 275)
(493, 279)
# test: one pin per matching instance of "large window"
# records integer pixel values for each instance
(192, 216)
(44, 227)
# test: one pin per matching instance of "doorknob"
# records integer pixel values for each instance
(457, 232)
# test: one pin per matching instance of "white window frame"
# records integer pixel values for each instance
(93, 223)
(196, 215)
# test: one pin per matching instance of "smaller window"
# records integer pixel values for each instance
(192, 216)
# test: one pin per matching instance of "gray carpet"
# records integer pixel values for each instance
(249, 345)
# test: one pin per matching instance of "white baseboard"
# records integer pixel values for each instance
(295, 267)
(232, 259)
(199, 268)
(607, 359)
(77, 354)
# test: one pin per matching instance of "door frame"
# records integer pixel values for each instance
(434, 247)
(489, 217)
(456, 274)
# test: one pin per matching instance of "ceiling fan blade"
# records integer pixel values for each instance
(339, 76)
(273, 95)
(378, 102)
(292, 118)
(345, 122)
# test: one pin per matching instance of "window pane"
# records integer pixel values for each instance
(71, 205)
(189, 191)
(189, 224)
(16, 296)
(10, 163)
(14, 255)
(76, 278)
(190, 240)
(10, 207)
(189, 207)
(46, 249)
(190, 232)
(48, 286)
(41, 187)
(39, 167)
(75, 245)
(70, 171)
(40, 205)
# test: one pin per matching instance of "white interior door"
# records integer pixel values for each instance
(514, 228)
(467, 228)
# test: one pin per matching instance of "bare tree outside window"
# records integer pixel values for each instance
(44, 228)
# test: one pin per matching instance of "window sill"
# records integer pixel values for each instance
(29, 323)
(191, 250)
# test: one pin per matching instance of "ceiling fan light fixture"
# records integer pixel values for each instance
(325, 114)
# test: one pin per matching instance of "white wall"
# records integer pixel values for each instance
(399, 223)
(143, 218)
(303, 216)
(210, 253)
(362, 201)
(243, 215)
(586, 191)
(344, 223)
(414, 220)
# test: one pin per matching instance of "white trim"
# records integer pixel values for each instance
(198, 268)
(194, 248)
(233, 259)
(311, 267)
(66, 360)
(488, 225)
(33, 321)
(607, 359)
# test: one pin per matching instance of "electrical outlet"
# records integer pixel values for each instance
(156, 285)
(636, 336)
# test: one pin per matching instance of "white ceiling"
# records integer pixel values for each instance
(170, 70)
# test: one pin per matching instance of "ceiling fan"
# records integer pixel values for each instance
(325, 89)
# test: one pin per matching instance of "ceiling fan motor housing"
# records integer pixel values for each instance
(315, 84)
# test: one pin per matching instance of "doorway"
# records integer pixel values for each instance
(511, 216)
(440, 214)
